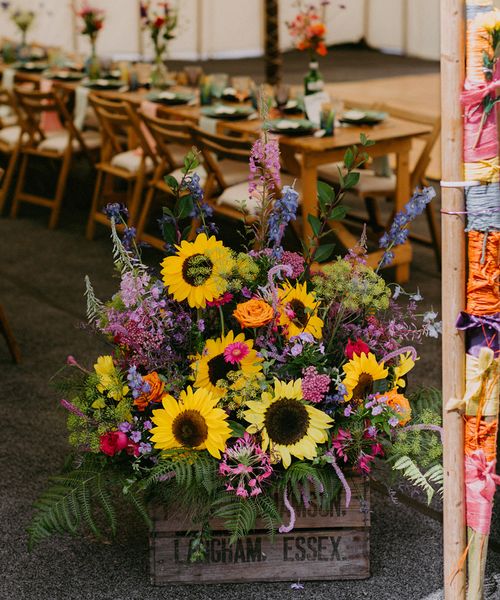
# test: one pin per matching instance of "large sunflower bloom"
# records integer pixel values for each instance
(193, 422)
(360, 373)
(198, 271)
(288, 426)
(224, 356)
(297, 311)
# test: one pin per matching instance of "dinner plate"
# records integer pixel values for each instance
(228, 113)
(291, 126)
(362, 117)
(104, 84)
(31, 67)
(293, 107)
(64, 75)
(170, 98)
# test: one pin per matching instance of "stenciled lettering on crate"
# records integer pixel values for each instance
(325, 545)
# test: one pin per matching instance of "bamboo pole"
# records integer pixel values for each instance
(453, 293)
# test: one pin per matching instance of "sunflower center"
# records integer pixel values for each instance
(299, 311)
(286, 421)
(363, 387)
(196, 269)
(219, 368)
(190, 428)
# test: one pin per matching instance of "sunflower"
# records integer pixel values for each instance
(227, 358)
(193, 422)
(198, 271)
(360, 373)
(297, 311)
(406, 364)
(288, 426)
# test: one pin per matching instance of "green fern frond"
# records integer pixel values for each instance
(94, 305)
(413, 474)
(239, 515)
(435, 475)
(426, 399)
(81, 498)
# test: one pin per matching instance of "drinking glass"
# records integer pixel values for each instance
(193, 74)
(281, 95)
(219, 83)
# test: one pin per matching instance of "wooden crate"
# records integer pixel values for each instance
(324, 545)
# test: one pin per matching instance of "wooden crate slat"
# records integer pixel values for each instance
(322, 554)
(357, 515)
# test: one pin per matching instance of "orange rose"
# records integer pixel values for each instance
(322, 50)
(318, 29)
(155, 394)
(253, 313)
(400, 404)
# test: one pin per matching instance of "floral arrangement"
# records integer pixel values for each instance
(161, 20)
(308, 29)
(93, 21)
(235, 379)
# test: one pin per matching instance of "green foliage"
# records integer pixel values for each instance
(422, 480)
(94, 305)
(82, 499)
(355, 286)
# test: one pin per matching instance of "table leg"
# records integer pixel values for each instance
(401, 198)
(309, 180)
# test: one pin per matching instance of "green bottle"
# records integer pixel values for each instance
(313, 81)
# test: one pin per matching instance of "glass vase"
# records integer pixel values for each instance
(313, 81)
(93, 66)
(23, 52)
(159, 73)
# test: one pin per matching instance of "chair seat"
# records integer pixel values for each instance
(58, 142)
(200, 169)
(131, 161)
(369, 182)
(236, 196)
(178, 153)
(234, 171)
(10, 135)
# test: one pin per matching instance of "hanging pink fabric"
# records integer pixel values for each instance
(480, 139)
(49, 120)
(480, 485)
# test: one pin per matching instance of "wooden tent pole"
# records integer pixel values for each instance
(453, 293)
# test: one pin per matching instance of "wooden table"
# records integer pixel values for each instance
(303, 155)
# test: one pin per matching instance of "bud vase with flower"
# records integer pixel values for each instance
(93, 21)
(160, 19)
(308, 30)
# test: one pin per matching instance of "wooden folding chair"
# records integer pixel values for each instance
(59, 146)
(10, 141)
(173, 140)
(372, 186)
(7, 333)
(125, 155)
(226, 162)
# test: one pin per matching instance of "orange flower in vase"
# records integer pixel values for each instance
(154, 394)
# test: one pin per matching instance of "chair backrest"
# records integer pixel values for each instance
(34, 103)
(429, 140)
(166, 132)
(120, 128)
(12, 115)
(215, 147)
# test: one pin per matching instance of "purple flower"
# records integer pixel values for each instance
(116, 211)
(147, 425)
(294, 260)
(136, 436)
(200, 324)
(347, 410)
(125, 427)
(398, 232)
(376, 410)
(284, 210)
(144, 448)
(393, 421)
(264, 165)
(137, 383)
(128, 239)
(314, 385)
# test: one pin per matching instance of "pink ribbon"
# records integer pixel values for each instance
(480, 484)
(474, 94)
